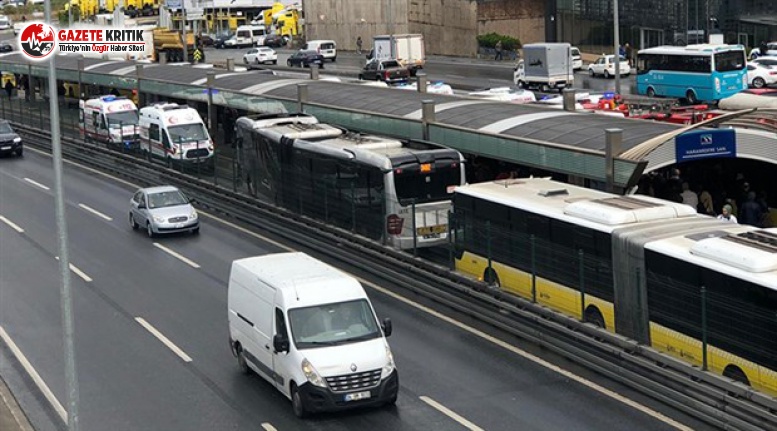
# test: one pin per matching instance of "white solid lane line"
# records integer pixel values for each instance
(78, 272)
(35, 183)
(176, 255)
(568, 374)
(95, 212)
(450, 413)
(268, 427)
(42, 386)
(166, 341)
(13, 225)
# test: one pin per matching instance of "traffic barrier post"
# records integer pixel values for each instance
(451, 255)
(488, 249)
(415, 230)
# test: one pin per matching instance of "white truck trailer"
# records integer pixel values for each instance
(545, 66)
(407, 49)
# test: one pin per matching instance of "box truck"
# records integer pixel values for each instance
(407, 49)
(545, 66)
(311, 332)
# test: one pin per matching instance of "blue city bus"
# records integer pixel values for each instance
(694, 72)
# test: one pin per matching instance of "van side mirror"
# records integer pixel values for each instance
(387, 328)
(280, 343)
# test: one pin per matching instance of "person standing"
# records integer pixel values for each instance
(727, 215)
(359, 45)
(8, 89)
(498, 49)
(689, 196)
(627, 51)
(750, 211)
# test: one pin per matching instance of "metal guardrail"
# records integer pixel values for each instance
(710, 398)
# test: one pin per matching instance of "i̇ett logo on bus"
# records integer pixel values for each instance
(37, 40)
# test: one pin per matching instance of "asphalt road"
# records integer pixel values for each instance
(462, 73)
(130, 380)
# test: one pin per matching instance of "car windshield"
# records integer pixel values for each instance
(187, 133)
(170, 198)
(126, 118)
(391, 63)
(5, 128)
(333, 324)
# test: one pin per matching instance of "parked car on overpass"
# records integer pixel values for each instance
(605, 66)
(260, 55)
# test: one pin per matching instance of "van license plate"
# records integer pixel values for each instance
(358, 396)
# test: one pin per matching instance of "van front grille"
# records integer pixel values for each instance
(200, 152)
(354, 382)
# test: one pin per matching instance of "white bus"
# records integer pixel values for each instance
(369, 184)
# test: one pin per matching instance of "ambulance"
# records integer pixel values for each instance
(110, 120)
(175, 133)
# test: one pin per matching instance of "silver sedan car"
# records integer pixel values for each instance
(163, 209)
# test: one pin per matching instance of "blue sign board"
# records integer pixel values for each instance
(702, 144)
(174, 4)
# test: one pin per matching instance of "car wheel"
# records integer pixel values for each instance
(133, 223)
(522, 84)
(651, 92)
(334, 59)
(257, 60)
(19, 152)
(288, 63)
(196, 231)
(606, 75)
(275, 62)
(149, 230)
(591, 72)
(296, 403)
(759, 82)
(245, 60)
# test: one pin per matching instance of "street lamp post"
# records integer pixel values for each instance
(617, 36)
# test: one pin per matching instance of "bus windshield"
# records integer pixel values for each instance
(431, 187)
(188, 133)
(126, 118)
(333, 324)
(729, 61)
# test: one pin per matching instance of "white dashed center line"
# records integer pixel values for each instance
(95, 212)
(78, 272)
(35, 183)
(166, 341)
(176, 255)
(13, 225)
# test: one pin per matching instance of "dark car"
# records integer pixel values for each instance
(389, 71)
(220, 39)
(274, 41)
(6, 47)
(10, 142)
(305, 59)
(206, 40)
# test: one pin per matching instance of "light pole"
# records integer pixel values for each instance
(185, 41)
(617, 37)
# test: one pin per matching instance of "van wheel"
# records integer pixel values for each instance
(196, 231)
(606, 75)
(690, 96)
(242, 364)
(296, 403)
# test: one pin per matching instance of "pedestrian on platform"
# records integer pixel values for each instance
(8, 89)
(727, 215)
(359, 45)
(750, 211)
(498, 49)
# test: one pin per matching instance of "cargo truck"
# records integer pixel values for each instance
(545, 66)
(407, 49)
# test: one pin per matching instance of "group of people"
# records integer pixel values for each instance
(737, 202)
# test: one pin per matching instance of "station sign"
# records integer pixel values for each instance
(702, 144)
(174, 4)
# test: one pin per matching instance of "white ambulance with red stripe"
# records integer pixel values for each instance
(175, 133)
(110, 120)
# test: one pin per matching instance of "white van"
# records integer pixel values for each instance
(327, 48)
(310, 330)
(109, 119)
(175, 133)
(247, 35)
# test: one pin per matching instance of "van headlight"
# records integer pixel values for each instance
(311, 374)
(389, 367)
(16, 140)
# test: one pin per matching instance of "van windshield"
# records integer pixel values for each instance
(333, 324)
(187, 133)
(126, 118)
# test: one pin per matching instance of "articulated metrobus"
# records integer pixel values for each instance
(383, 188)
(694, 72)
(634, 265)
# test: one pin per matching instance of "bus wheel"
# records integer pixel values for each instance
(593, 315)
(651, 92)
(490, 277)
(690, 96)
(735, 373)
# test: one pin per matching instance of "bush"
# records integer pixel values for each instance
(489, 40)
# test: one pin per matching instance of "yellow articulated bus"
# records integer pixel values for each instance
(697, 288)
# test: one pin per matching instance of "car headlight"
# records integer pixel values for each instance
(389, 367)
(311, 374)
(16, 140)
(159, 219)
(193, 215)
